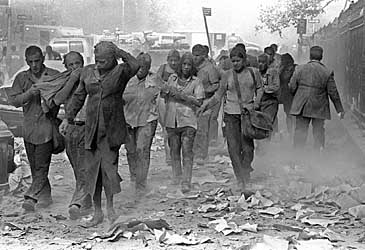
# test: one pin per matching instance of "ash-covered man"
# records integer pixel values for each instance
(141, 115)
(271, 84)
(207, 121)
(105, 129)
(312, 85)
(164, 72)
(75, 137)
(37, 127)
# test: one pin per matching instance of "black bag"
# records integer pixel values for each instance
(57, 139)
(254, 124)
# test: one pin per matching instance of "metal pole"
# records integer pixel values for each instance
(123, 15)
(206, 30)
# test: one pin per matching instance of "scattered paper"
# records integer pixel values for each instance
(272, 211)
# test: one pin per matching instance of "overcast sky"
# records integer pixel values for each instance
(238, 16)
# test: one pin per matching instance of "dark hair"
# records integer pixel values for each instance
(75, 53)
(236, 51)
(316, 53)
(287, 59)
(265, 56)
(241, 46)
(198, 48)
(267, 49)
(185, 56)
(206, 47)
(32, 50)
(274, 47)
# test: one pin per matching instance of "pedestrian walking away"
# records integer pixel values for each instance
(312, 85)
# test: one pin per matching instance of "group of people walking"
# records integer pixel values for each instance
(109, 104)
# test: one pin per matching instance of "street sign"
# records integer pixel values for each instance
(24, 17)
(4, 2)
(302, 26)
(207, 11)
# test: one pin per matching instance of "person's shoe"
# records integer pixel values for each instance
(44, 203)
(185, 188)
(200, 161)
(28, 205)
(74, 212)
(112, 216)
(97, 219)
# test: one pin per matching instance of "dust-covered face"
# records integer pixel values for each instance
(198, 58)
(104, 62)
(143, 71)
(35, 62)
(263, 64)
(173, 62)
(73, 62)
(186, 68)
(238, 63)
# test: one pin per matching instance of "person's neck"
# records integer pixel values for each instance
(39, 74)
(240, 70)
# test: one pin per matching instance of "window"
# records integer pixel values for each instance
(76, 46)
(60, 47)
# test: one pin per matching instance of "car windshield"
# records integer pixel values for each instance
(76, 46)
(60, 47)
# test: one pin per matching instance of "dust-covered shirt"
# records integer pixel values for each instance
(179, 115)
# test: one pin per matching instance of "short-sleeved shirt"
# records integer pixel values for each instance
(179, 115)
(227, 89)
(37, 127)
(140, 97)
(209, 76)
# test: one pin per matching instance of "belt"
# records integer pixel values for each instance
(77, 123)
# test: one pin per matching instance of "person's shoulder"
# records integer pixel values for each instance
(21, 75)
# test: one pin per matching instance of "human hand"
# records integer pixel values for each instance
(202, 108)
(33, 90)
(63, 127)
(256, 106)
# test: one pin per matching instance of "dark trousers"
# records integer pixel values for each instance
(75, 150)
(181, 141)
(240, 148)
(301, 132)
(39, 157)
(138, 148)
(207, 131)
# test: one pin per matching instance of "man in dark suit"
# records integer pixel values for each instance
(312, 84)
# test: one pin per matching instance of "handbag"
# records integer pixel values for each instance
(254, 124)
(57, 139)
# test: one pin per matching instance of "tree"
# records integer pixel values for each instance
(286, 13)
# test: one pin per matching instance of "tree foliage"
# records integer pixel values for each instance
(286, 13)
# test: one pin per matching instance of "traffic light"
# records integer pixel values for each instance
(302, 26)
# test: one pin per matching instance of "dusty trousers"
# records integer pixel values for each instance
(181, 141)
(39, 157)
(207, 131)
(240, 148)
(75, 150)
(138, 148)
(301, 132)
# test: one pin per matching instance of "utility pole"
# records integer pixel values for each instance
(207, 12)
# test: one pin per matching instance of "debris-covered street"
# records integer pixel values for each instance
(315, 204)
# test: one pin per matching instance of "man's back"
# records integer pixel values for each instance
(312, 84)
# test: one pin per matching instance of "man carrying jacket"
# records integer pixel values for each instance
(312, 84)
